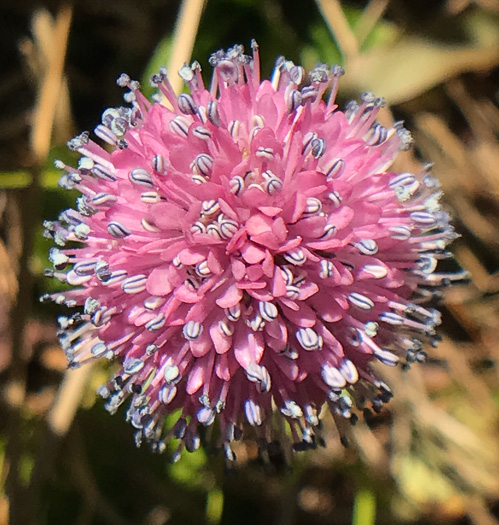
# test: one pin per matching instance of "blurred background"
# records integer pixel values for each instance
(432, 455)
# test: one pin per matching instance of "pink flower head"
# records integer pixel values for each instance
(245, 246)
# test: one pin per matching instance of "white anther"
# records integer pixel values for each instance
(257, 323)
(105, 134)
(210, 207)
(268, 311)
(167, 394)
(201, 133)
(233, 128)
(186, 104)
(180, 125)
(198, 227)
(206, 416)
(273, 185)
(236, 185)
(361, 301)
(117, 230)
(371, 329)
(172, 374)
(400, 233)
(313, 206)
(198, 179)
(335, 169)
(287, 275)
(98, 349)
(132, 365)
(335, 198)
(226, 327)
(311, 415)
(203, 164)
(293, 99)
(349, 371)
(141, 177)
(59, 259)
(154, 302)
(332, 376)
(159, 164)
(81, 231)
(376, 135)
(257, 121)
(289, 353)
(151, 349)
(423, 218)
(228, 228)
(309, 339)
(292, 292)
(376, 270)
(233, 313)
(318, 147)
(148, 226)
(134, 284)
(156, 324)
(392, 318)
(265, 153)
(213, 229)
(386, 357)
(259, 374)
(104, 200)
(329, 231)
(202, 269)
(367, 246)
(150, 197)
(296, 257)
(192, 330)
(428, 264)
(91, 305)
(307, 141)
(291, 409)
(253, 413)
(327, 269)
(212, 112)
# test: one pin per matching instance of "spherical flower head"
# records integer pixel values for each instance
(243, 247)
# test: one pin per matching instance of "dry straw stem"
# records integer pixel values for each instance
(38, 54)
(372, 13)
(50, 88)
(338, 25)
(8, 279)
(456, 6)
(184, 37)
(68, 399)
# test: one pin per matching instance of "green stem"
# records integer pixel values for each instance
(364, 508)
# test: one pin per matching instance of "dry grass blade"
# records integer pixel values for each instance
(372, 13)
(68, 400)
(338, 25)
(185, 33)
(410, 66)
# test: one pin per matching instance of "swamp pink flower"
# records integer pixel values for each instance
(243, 246)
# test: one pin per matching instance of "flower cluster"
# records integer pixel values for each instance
(245, 247)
